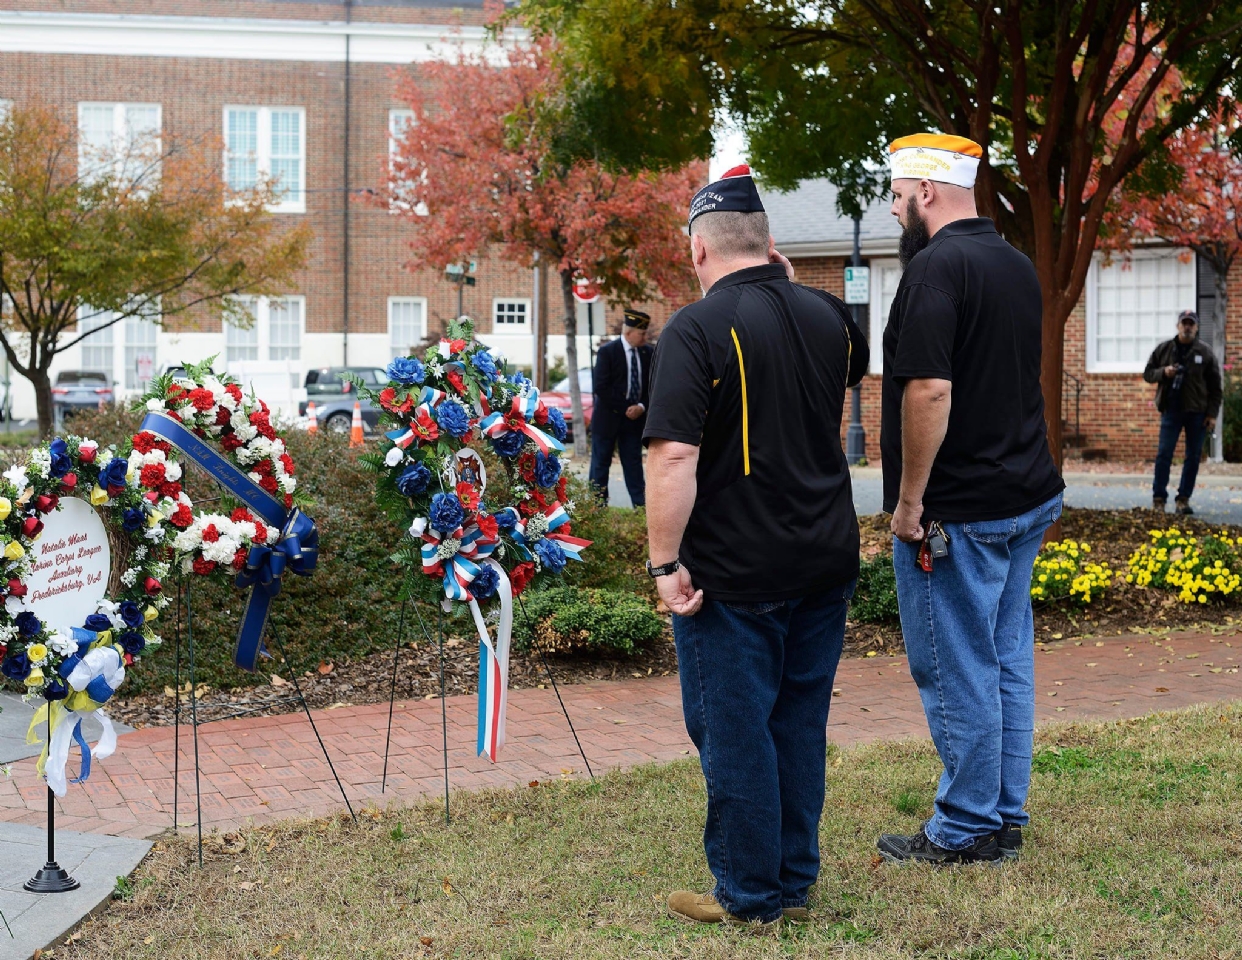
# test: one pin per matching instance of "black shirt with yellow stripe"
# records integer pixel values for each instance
(755, 375)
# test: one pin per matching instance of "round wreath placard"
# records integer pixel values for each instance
(431, 479)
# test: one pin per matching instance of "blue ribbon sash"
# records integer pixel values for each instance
(297, 548)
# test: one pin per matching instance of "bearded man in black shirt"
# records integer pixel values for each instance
(972, 487)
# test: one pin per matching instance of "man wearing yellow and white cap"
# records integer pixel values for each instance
(972, 487)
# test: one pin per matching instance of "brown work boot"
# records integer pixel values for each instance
(703, 908)
(796, 914)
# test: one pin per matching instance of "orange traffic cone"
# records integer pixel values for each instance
(355, 429)
(312, 425)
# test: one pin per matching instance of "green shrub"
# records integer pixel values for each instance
(567, 618)
(875, 598)
(618, 545)
(1231, 411)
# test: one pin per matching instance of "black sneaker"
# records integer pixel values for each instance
(919, 849)
(1009, 839)
(1182, 508)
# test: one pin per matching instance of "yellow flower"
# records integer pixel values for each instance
(150, 614)
(37, 652)
(99, 496)
(34, 678)
(6, 507)
(14, 551)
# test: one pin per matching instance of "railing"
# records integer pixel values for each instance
(1067, 380)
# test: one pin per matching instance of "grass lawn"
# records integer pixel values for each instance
(1135, 850)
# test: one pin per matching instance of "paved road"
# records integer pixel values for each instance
(1217, 499)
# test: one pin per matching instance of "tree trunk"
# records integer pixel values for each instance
(571, 359)
(43, 398)
(1052, 362)
(541, 342)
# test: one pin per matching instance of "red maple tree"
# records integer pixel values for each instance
(477, 171)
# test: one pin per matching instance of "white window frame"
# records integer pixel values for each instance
(263, 155)
(1094, 364)
(393, 349)
(107, 327)
(877, 318)
(261, 309)
(120, 131)
(509, 327)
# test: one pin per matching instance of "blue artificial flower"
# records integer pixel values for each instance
(134, 519)
(556, 420)
(98, 622)
(59, 452)
(113, 475)
(485, 363)
(506, 519)
(131, 614)
(406, 370)
(453, 418)
(413, 480)
(446, 513)
(520, 380)
(28, 625)
(551, 556)
(132, 642)
(509, 445)
(547, 470)
(16, 666)
(56, 690)
(485, 583)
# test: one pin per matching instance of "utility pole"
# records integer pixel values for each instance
(856, 436)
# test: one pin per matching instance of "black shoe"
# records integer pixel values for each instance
(919, 849)
(1182, 508)
(1009, 840)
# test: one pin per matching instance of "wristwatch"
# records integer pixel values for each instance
(663, 571)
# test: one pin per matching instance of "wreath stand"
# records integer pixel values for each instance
(392, 692)
(52, 877)
(183, 590)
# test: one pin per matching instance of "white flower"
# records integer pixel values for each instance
(17, 476)
(172, 471)
(140, 553)
(130, 576)
(156, 405)
(187, 565)
(228, 402)
(394, 457)
(536, 527)
(155, 534)
(63, 644)
(41, 460)
(289, 484)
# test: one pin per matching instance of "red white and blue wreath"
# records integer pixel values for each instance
(433, 481)
(137, 491)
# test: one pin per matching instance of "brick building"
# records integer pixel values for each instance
(1126, 309)
(298, 88)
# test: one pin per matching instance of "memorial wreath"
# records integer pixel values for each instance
(433, 481)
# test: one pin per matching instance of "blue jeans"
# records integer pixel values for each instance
(970, 640)
(1172, 423)
(756, 682)
(627, 440)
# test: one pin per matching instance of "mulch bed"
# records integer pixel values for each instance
(1113, 536)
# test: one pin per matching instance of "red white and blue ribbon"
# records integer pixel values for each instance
(518, 419)
(494, 669)
(459, 569)
(557, 518)
(428, 400)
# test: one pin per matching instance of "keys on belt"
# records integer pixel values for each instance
(935, 546)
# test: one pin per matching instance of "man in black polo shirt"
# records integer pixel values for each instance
(972, 487)
(754, 546)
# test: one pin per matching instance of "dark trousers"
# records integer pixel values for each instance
(756, 682)
(627, 440)
(1172, 423)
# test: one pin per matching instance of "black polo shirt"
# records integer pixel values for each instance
(754, 374)
(968, 310)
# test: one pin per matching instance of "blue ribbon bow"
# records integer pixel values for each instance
(297, 548)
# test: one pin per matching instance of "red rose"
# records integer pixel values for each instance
(260, 532)
(231, 442)
(521, 576)
(204, 567)
(210, 533)
(239, 560)
(270, 484)
(182, 517)
(202, 399)
(288, 463)
(32, 527)
(488, 527)
(17, 588)
(144, 442)
(468, 496)
(68, 482)
(151, 586)
(170, 489)
(152, 475)
(46, 503)
(87, 454)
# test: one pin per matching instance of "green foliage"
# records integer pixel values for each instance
(1231, 411)
(557, 371)
(875, 597)
(567, 618)
(618, 552)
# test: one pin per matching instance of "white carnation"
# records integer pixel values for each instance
(156, 405)
(172, 471)
(394, 457)
(289, 484)
(188, 540)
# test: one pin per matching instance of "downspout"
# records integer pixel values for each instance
(345, 210)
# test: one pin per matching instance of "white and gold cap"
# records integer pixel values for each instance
(935, 156)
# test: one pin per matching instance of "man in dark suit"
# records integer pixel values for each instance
(621, 380)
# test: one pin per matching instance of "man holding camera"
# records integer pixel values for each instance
(1188, 394)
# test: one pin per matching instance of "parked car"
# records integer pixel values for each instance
(334, 398)
(80, 390)
(558, 397)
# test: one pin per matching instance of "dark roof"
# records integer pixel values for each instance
(809, 215)
(408, 4)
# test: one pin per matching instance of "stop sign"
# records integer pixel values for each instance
(586, 291)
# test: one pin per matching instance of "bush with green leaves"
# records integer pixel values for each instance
(875, 597)
(567, 618)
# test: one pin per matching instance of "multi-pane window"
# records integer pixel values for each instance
(285, 329)
(1132, 306)
(242, 343)
(885, 276)
(120, 139)
(407, 324)
(140, 341)
(97, 354)
(263, 142)
(508, 314)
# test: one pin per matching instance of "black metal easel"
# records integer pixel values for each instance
(52, 878)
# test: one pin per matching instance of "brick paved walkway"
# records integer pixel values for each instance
(266, 768)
